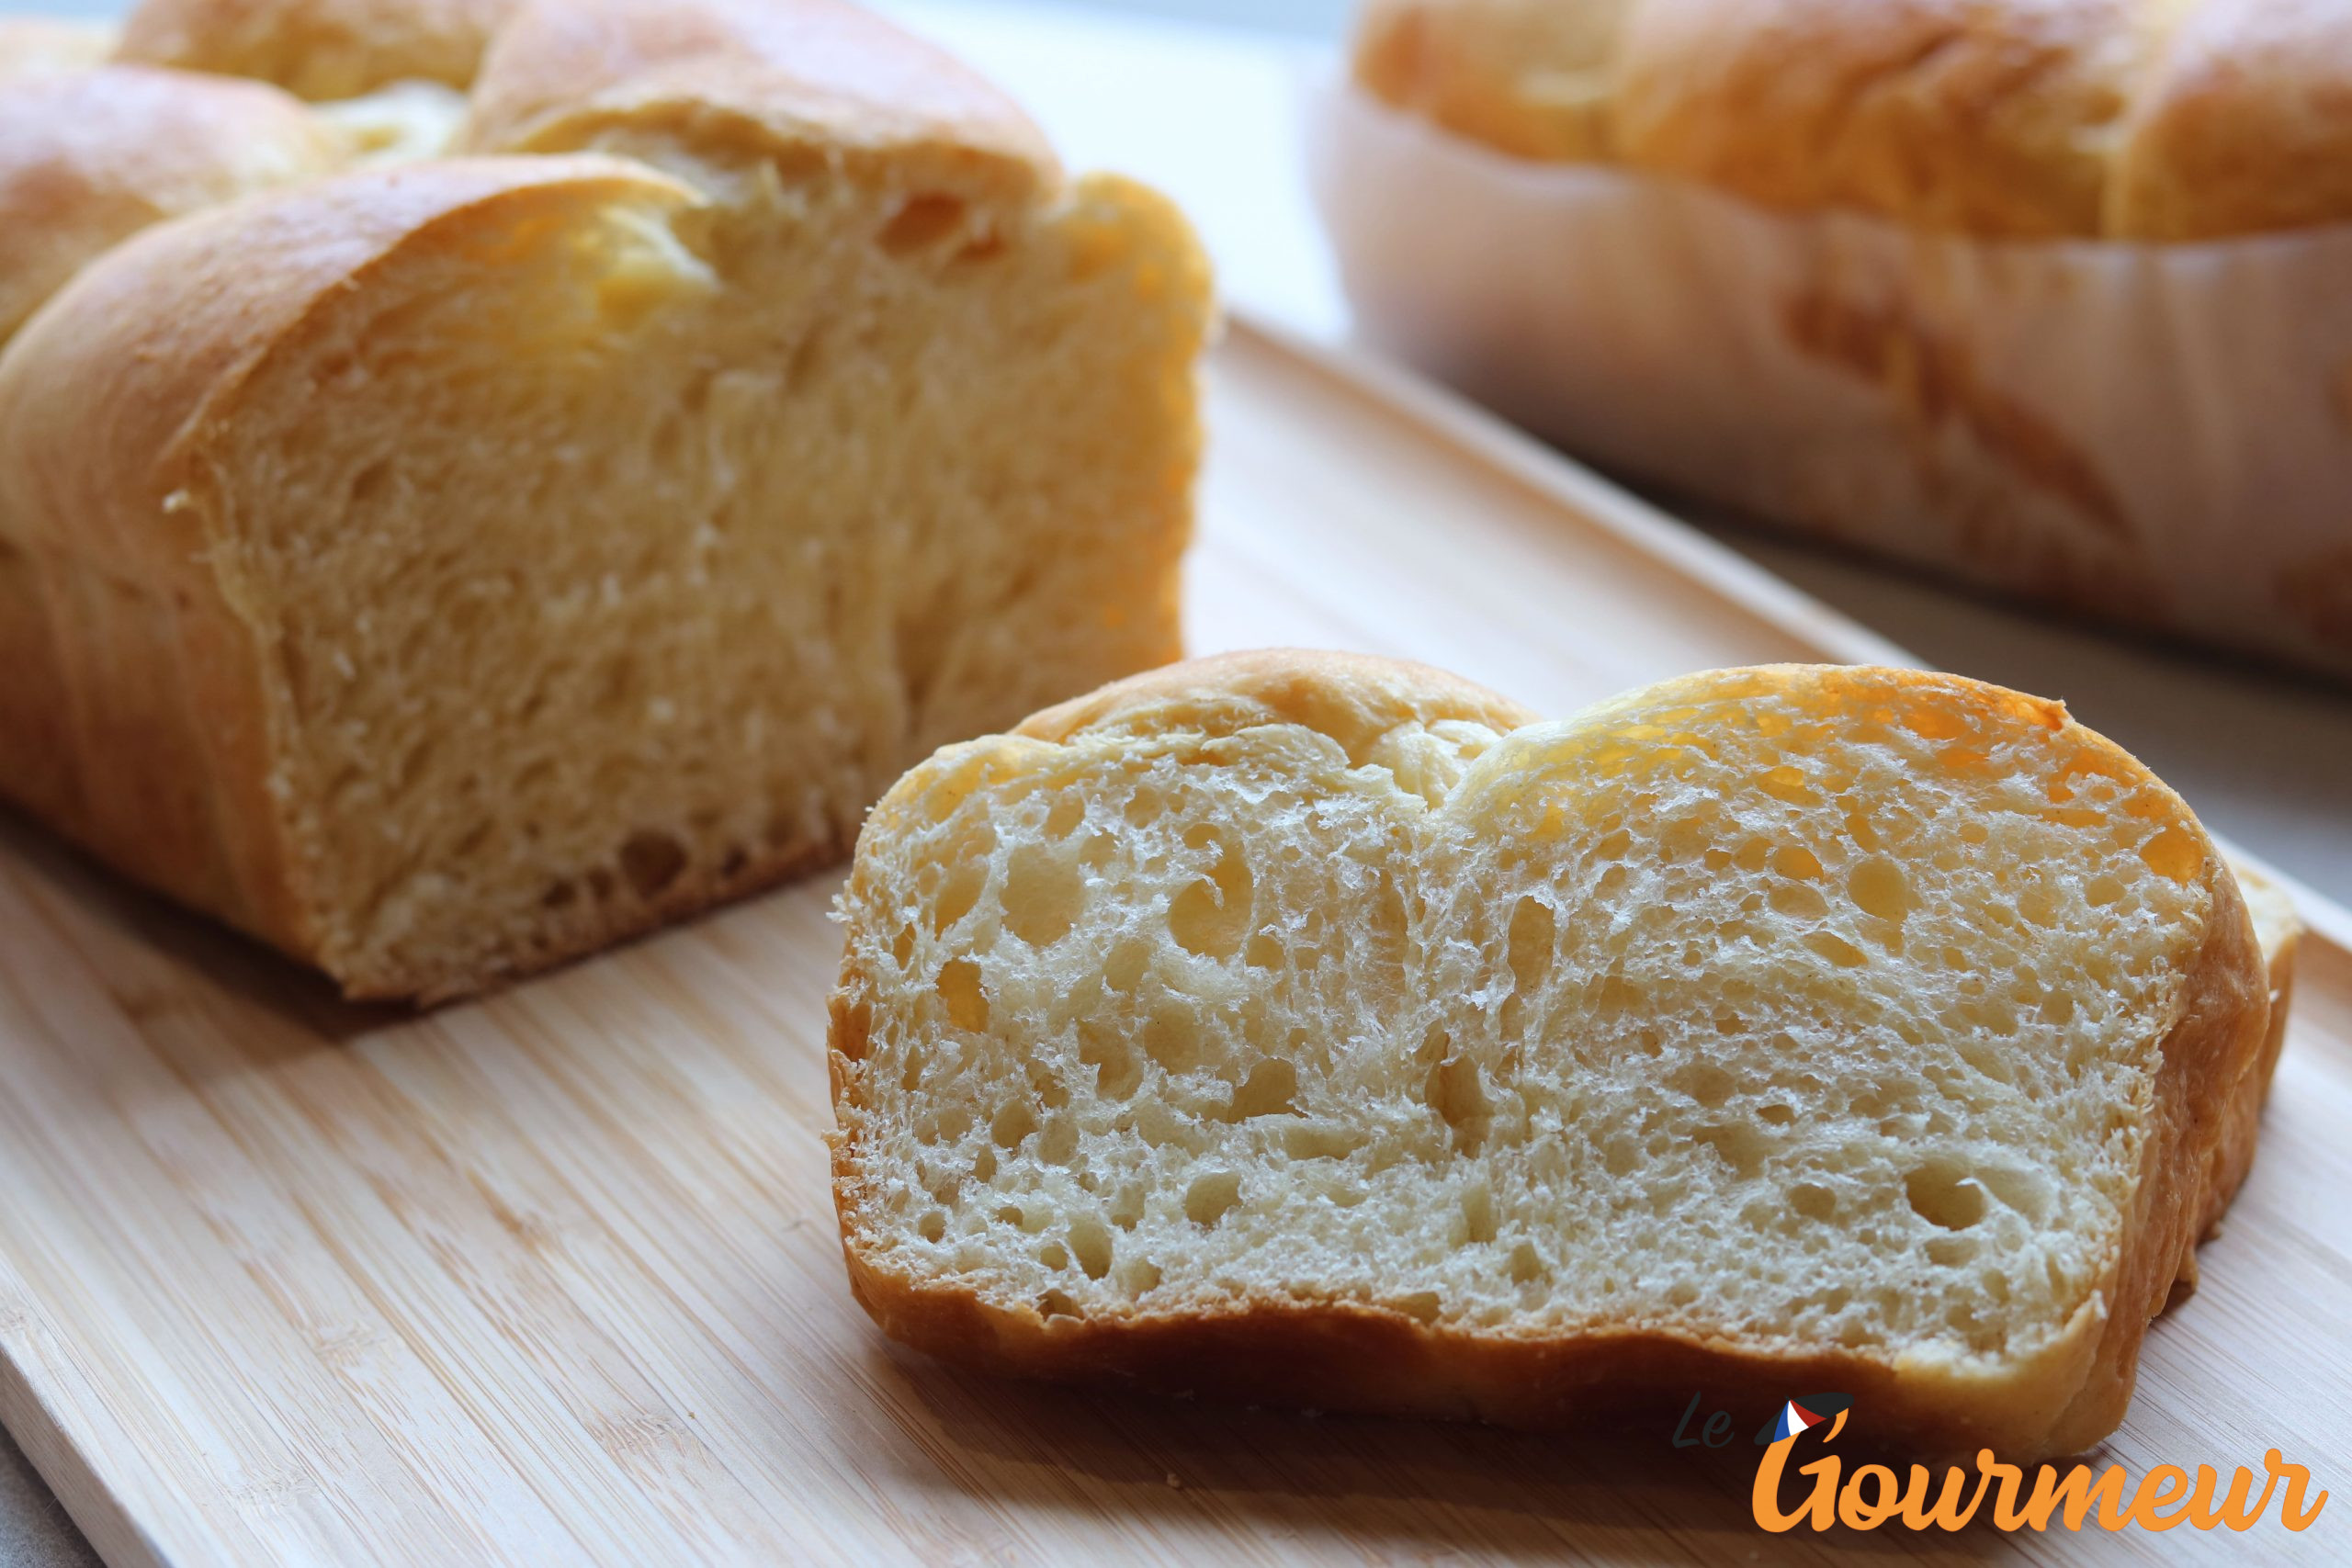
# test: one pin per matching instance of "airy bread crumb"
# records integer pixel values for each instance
(1858, 1022)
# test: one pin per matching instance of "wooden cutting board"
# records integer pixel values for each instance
(552, 1277)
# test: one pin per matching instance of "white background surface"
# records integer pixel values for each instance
(1209, 115)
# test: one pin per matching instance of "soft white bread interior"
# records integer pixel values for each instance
(447, 568)
(1324, 1030)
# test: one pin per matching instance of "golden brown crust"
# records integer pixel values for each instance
(1355, 698)
(110, 401)
(89, 157)
(318, 49)
(2207, 1094)
(1533, 81)
(752, 76)
(2164, 120)
(2247, 129)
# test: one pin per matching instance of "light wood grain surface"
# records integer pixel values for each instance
(553, 1277)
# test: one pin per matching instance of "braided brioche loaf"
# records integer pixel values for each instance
(1328, 1030)
(2040, 294)
(440, 565)
(2141, 119)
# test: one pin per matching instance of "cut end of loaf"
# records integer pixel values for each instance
(744, 506)
(1808, 1014)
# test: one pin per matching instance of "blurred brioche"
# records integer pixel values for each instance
(2158, 119)
(318, 49)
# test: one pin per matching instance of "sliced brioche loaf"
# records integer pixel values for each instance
(446, 568)
(1325, 1030)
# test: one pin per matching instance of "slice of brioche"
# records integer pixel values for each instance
(1323, 1029)
(444, 569)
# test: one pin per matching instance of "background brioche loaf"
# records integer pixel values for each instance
(2134, 119)
(2041, 294)
(443, 567)
(1325, 1030)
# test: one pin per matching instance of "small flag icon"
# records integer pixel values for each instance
(1794, 1418)
(1802, 1415)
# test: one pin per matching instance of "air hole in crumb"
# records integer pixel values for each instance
(1797, 861)
(1879, 889)
(1530, 953)
(1322, 1141)
(1951, 1251)
(1043, 893)
(1173, 1040)
(1057, 1303)
(1118, 1069)
(1124, 969)
(1945, 1196)
(1210, 919)
(923, 221)
(370, 484)
(1457, 1092)
(1704, 1082)
(1796, 901)
(980, 248)
(931, 1226)
(1526, 1268)
(1210, 1197)
(1742, 1146)
(1836, 949)
(1477, 1215)
(651, 862)
(959, 988)
(1813, 1201)
(962, 891)
(1012, 1123)
(1266, 1092)
(1090, 1241)
(1139, 1276)
(1054, 1255)
(2173, 854)
(1057, 1144)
